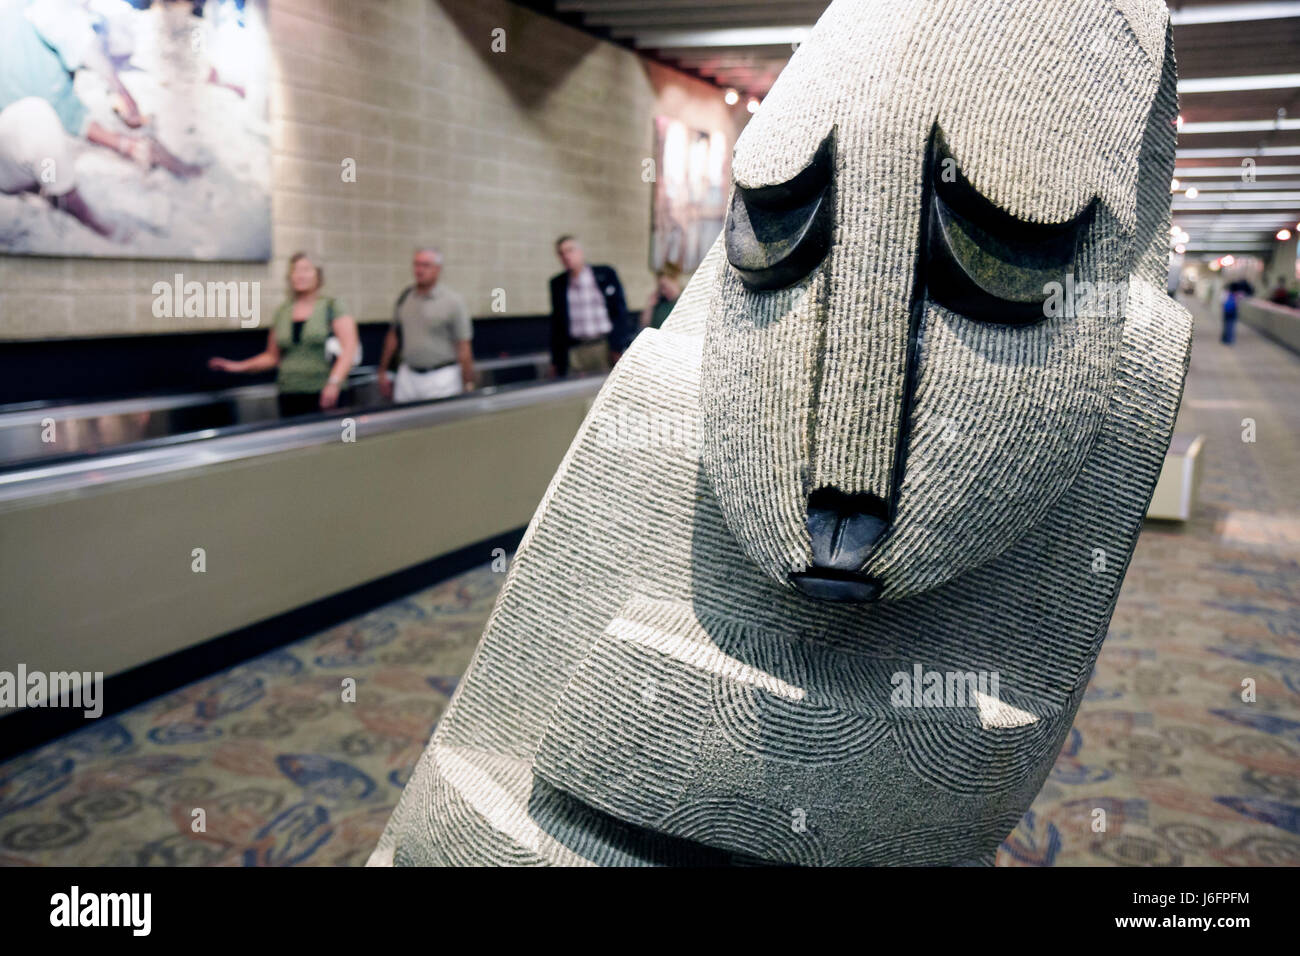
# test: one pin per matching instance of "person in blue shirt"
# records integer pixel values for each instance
(1237, 289)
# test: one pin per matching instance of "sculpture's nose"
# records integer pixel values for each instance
(845, 530)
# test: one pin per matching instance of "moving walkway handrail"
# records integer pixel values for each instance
(200, 449)
(27, 413)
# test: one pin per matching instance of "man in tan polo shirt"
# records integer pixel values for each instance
(432, 330)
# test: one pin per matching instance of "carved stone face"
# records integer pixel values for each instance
(934, 219)
(889, 403)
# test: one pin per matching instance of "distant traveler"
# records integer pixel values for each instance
(590, 326)
(313, 345)
(1229, 317)
(1237, 289)
(433, 333)
(668, 288)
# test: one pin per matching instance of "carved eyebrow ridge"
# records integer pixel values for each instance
(981, 261)
(961, 196)
(776, 235)
(799, 188)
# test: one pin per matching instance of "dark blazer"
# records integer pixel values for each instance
(620, 336)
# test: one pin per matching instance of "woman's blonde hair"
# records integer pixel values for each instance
(315, 264)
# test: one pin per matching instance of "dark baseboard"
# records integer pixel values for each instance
(33, 726)
(128, 366)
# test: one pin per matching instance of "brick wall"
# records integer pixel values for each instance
(490, 155)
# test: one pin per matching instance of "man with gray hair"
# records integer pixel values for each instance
(432, 331)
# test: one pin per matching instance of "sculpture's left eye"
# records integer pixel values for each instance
(778, 234)
(983, 262)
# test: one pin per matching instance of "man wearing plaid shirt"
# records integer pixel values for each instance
(590, 326)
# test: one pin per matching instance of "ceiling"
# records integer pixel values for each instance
(743, 45)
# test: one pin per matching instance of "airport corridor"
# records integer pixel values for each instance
(1184, 770)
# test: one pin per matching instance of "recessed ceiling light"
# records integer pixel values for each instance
(1231, 84)
(1239, 126)
(1232, 12)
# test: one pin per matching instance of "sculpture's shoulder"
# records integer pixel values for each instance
(1156, 352)
(617, 519)
(690, 313)
(637, 451)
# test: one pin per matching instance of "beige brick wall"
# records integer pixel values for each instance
(489, 155)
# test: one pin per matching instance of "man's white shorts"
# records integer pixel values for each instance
(412, 386)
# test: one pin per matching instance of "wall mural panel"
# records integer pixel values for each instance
(693, 175)
(135, 129)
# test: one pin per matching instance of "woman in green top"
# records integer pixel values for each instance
(308, 377)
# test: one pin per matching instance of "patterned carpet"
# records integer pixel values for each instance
(1187, 773)
(287, 773)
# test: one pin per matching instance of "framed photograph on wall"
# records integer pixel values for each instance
(135, 129)
(690, 193)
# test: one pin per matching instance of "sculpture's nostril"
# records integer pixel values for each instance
(845, 528)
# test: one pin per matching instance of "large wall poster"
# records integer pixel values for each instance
(690, 193)
(135, 129)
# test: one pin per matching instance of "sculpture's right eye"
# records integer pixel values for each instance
(984, 263)
(778, 234)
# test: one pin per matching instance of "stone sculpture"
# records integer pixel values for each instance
(824, 574)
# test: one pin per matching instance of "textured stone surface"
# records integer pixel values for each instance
(651, 686)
